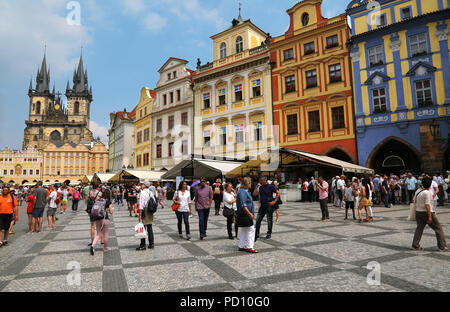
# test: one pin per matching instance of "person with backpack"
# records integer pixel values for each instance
(75, 199)
(101, 211)
(94, 194)
(147, 207)
(8, 207)
(217, 195)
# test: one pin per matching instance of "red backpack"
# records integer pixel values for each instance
(76, 195)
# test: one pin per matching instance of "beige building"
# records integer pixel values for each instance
(19, 167)
(69, 161)
(233, 95)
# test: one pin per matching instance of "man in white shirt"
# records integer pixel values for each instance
(340, 184)
(144, 196)
(434, 189)
(424, 216)
(52, 207)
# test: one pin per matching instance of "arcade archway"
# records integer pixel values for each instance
(394, 155)
(341, 154)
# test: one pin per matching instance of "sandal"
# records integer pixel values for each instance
(11, 233)
(5, 243)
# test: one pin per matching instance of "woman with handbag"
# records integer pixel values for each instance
(244, 217)
(229, 208)
(182, 208)
(365, 200)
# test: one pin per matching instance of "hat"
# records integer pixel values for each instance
(147, 184)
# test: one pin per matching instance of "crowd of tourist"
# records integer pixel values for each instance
(236, 200)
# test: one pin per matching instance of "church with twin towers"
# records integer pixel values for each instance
(52, 121)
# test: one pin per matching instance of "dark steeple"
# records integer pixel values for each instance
(80, 81)
(43, 78)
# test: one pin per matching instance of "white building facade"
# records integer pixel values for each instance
(172, 117)
(121, 140)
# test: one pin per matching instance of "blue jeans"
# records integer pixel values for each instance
(203, 215)
(263, 210)
(183, 216)
(386, 199)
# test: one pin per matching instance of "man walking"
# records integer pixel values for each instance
(411, 183)
(322, 186)
(268, 197)
(52, 207)
(144, 196)
(424, 216)
(203, 200)
(39, 202)
(8, 207)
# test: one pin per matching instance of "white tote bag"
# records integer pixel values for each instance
(412, 209)
(139, 231)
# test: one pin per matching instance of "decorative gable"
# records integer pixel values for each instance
(421, 69)
(377, 78)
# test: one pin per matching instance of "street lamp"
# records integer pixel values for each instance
(435, 129)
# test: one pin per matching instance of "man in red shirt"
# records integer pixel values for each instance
(8, 205)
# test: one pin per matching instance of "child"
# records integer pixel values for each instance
(349, 199)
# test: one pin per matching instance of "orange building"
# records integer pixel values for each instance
(311, 81)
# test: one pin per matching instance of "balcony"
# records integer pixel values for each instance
(232, 58)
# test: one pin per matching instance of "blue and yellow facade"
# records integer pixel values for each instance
(401, 83)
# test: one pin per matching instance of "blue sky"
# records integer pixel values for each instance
(124, 43)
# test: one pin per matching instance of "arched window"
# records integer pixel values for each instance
(38, 107)
(55, 137)
(76, 108)
(223, 50)
(239, 44)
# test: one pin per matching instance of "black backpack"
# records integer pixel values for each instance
(152, 205)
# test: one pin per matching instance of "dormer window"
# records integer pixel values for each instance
(305, 19)
(223, 50)
(239, 44)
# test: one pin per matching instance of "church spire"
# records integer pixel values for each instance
(80, 78)
(43, 77)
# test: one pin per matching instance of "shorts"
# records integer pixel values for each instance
(51, 212)
(349, 205)
(5, 221)
(63, 201)
(38, 212)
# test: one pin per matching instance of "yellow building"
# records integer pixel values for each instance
(69, 161)
(233, 96)
(20, 167)
(143, 130)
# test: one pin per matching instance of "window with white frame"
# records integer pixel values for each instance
(239, 133)
(258, 131)
(256, 87)
(222, 97)
(206, 100)
(239, 44)
(418, 44)
(223, 136)
(223, 50)
(238, 93)
(423, 93)
(375, 55)
(379, 100)
(207, 138)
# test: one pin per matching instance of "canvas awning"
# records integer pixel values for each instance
(271, 161)
(136, 176)
(87, 179)
(207, 168)
(102, 177)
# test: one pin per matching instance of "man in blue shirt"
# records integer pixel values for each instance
(376, 185)
(268, 196)
(411, 185)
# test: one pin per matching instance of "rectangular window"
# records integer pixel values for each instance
(207, 138)
(146, 159)
(258, 131)
(423, 93)
(292, 124)
(171, 122)
(31, 171)
(309, 48)
(406, 13)
(178, 95)
(337, 114)
(375, 55)
(288, 54)
(158, 151)
(159, 125)
(332, 42)
(256, 88)
(418, 44)
(5, 171)
(140, 113)
(24, 172)
(239, 134)
(238, 93)
(37, 172)
(335, 73)
(206, 100)
(171, 97)
(138, 161)
(147, 134)
(174, 74)
(165, 99)
(145, 111)
(170, 149)
(311, 78)
(184, 119)
(381, 20)
(222, 97)
(77, 172)
(184, 147)
(379, 100)
(169, 76)
(82, 171)
(290, 83)
(223, 136)
(314, 121)
(139, 137)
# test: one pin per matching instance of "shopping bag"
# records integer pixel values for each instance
(412, 212)
(139, 231)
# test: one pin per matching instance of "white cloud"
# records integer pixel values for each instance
(25, 26)
(133, 7)
(154, 21)
(99, 131)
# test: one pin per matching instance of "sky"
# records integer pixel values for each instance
(124, 43)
